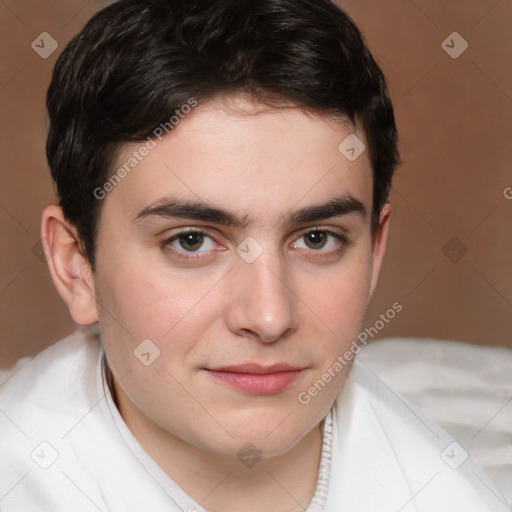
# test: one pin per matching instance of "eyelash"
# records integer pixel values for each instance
(165, 244)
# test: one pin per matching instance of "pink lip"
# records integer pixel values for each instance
(257, 379)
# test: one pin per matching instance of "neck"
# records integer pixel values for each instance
(224, 484)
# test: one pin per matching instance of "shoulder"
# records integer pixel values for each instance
(47, 380)
(406, 455)
(39, 404)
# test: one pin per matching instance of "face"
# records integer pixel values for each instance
(234, 265)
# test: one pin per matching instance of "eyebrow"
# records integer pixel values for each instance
(199, 210)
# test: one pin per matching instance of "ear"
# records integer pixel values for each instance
(379, 246)
(70, 270)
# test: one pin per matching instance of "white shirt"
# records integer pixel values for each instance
(64, 447)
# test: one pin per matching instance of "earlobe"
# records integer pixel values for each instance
(379, 246)
(70, 270)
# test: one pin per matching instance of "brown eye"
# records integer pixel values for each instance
(191, 241)
(315, 239)
(322, 242)
(193, 245)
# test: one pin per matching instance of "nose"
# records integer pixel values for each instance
(263, 305)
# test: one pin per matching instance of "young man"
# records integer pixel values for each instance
(223, 168)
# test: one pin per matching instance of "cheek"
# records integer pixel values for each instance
(149, 302)
(144, 302)
(341, 308)
(342, 300)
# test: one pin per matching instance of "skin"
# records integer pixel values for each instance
(299, 302)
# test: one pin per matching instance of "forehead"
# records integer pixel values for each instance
(248, 157)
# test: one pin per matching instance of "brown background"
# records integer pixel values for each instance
(455, 121)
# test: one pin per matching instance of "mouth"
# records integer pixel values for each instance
(257, 379)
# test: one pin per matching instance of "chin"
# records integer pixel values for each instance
(271, 432)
